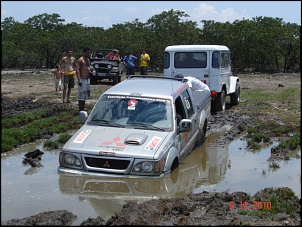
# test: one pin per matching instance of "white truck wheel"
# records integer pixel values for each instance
(235, 97)
(220, 101)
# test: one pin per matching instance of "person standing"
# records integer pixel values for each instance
(129, 61)
(144, 62)
(58, 74)
(113, 55)
(83, 72)
(68, 66)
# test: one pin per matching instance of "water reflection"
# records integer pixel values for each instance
(207, 164)
(27, 190)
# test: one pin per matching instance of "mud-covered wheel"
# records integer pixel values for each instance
(200, 138)
(115, 80)
(220, 101)
(235, 97)
(202, 135)
(93, 81)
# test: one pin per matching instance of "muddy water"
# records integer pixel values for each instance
(27, 191)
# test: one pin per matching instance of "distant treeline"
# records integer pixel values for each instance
(263, 44)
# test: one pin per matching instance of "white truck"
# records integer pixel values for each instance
(209, 63)
(143, 126)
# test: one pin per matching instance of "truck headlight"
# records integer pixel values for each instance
(144, 166)
(137, 167)
(147, 166)
(96, 66)
(109, 66)
(72, 160)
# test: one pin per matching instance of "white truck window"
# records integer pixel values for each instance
(225, 59)
(216, 59)
(190, 60)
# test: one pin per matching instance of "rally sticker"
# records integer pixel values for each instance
(115, 141)
(132, 104)
(153, 143)
(82, 136)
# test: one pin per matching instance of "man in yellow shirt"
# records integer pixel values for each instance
(144, 62)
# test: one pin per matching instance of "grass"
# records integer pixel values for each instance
(277, 113)
(35, 125)
(273, 201)
(56, 144)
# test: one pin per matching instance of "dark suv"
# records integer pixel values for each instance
(105, 68)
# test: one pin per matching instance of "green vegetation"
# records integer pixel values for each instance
(27, 127)
(277, 113)
(274, 201)
(56, 143)
(246, 38)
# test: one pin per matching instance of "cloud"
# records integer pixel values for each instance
(208, 12)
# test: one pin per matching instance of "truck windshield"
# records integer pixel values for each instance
(128, 111)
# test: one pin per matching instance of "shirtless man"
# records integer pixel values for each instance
(68, 66)
(83, 71)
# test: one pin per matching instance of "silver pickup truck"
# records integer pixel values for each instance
(144, 126)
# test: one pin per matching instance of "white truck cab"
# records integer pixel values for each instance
(209, 63)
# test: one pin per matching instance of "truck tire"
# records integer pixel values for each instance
(115, 80)
(235, 97)
(92, 81)
(202, 135)
(200, 138)
(220, 101)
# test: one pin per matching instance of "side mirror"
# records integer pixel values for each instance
(185, 125)
(83, 116)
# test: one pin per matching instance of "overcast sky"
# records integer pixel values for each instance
(106, 13)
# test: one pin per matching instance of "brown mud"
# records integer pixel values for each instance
(20, 94)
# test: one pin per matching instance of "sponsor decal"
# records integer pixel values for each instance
(106, 153)
(153, 143)
(186, 134)
(115, 141)
(179, 137)
(132, 104)
(82, 136)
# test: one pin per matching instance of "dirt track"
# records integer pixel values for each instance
(208, 208)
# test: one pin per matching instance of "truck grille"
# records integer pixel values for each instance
(107, 163)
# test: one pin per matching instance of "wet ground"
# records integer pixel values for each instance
(210, 192)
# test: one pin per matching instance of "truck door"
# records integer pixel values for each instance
(192, 115)
(184, 107)
(220, 70)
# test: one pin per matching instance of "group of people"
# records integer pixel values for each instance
(68, 70)
(129, 61)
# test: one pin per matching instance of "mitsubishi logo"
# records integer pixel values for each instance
(106, 165)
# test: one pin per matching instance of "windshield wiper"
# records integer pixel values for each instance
(141, 125)
(106, 123)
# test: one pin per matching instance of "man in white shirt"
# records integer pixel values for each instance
(194, 83)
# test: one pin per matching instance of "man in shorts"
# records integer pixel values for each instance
(68, 66)
(83, 72)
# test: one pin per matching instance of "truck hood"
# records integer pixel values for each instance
(99, 140)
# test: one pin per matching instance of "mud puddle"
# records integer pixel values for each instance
(27, 191)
